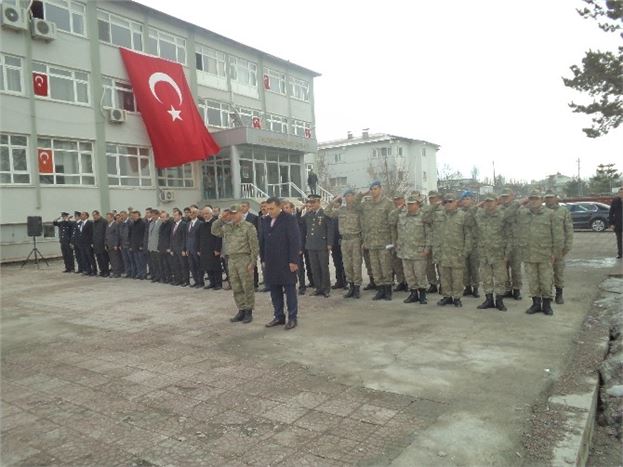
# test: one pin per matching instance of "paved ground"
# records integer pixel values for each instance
(120, 372)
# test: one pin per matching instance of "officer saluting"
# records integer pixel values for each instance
(65, 231)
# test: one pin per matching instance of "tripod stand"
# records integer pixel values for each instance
(37, 254)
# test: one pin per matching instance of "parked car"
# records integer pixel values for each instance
(586, 215)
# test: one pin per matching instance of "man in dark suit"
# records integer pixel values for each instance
(210, 247)
(279, 252)
(255, 220)
(85, 245)
(124, 233)
(616, 219)
(137, 239)
(65, 230)
(336, 255)
(192, 247)
(164, 247)
(178, 250)
(99, 243)
(75, 234)
(318, 243)
(113, 243)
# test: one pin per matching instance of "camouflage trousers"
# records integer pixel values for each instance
(432, 269)
(559, 272)
(366, 260)
(241, 281)
(493, 274)
(513, 271)
(381, 263)
(451, 281)
(397, 268)
(540, 279)
(415, 273)
(471, 276)
(351, 257)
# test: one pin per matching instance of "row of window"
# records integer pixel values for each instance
(70, 162)
(70, 16)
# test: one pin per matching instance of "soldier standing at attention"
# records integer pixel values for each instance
(242, 250)
(471, 277)
(349, 225)
(495, 248)
(413, 246)
(433, 215)
(399, 203)
(65, 229)
(318, 243)
(377, 237)
(561, 214)
(510, 208)
(454, 243)
(541, 243)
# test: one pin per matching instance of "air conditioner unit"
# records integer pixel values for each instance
(14, 18)
(43, 30)
(166, 196)
(116, 115)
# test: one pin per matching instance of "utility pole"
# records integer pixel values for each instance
(579, 179)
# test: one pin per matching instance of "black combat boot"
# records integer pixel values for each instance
(380, 292)
(559, 299)
(475, 293)
(536, 306)
(371, 285)
(423, 296)
(401, 287)
(467, 291)
(457, 303)
(445, 301)
(517, 294)
(547, 307)
(356, 292)
(248, 316)
(239, 316)
(432, 288)
(499, 303)
(413, 297)
(388, 292)
(488, 303)
(508, 293)
(351, 289)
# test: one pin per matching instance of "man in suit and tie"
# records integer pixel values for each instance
(85, 245)
(178, 250)
(113, 243)
(137, 239)
(164, 247)
(99, 243)
(153, 235)
(192, 247)
(279, 252)
(124, 233)
(75, 234)
(210, 248)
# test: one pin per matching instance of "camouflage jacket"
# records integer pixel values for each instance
(539, 235)
(393, 224)
(493, 239)
(241, 238)
(413, 235)
(433, 216)
(375, 224)
(470, 223)
(349, 218)
(562, 215)
(511, 213)
(453, 240)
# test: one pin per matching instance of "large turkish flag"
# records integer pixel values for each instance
(46, 161)
(176, 130)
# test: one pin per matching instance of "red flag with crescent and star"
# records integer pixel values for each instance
(40, 84)
(175, 127)
(46, 161)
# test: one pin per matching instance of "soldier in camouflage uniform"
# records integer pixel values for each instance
(471, 277)
(242, 252)
(433, 215)
(540, 243)
(349, 225)
(495, 247)
(376, 237)
(510, 208)
(413, 246)
(453, 243)
(399, 203)
(563, 216)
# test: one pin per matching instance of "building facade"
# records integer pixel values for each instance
(402, 164)
(72, 137)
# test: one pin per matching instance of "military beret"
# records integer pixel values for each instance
(233, 208)
(414, 199)
(490, 197)
(375, 183)
(507, 192)
(77, 213)
(313, 197)
(432, 194)
(398, 196)
(349, 191)
(449, 197)
(467, 194)
(550, 194)
(63, 214)
(535, 194)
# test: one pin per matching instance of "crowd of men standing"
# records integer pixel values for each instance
(448, 245)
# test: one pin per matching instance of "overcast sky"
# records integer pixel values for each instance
(480, 78)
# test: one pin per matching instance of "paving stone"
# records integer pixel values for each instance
(12, 421)
(308, 399)
(204, 411)
(308, 459)
(285, 413)
(136, 440)
(266, 454)
(338, 406)
(294, 436)
(353, 429)
(374, 414)
(332, 447)
(40, 459)
(76, 448)
(318, 421)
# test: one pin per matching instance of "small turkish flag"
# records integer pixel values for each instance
(46, 161)
(256, 122)
(266, 82)
(40, 84)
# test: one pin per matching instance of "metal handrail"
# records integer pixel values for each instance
(326, 195)
(249, 190)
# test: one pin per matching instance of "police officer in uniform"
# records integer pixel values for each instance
(318, 243)
(65, 230)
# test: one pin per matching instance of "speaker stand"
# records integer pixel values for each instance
(36, 254)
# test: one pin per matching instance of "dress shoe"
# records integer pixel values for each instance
(239, 316)
(208, 286)
(248, 316)
(351, 290)
(318, 293)
(67, 270)
(275, 322)
(290, 325)
(184, 284)
(217, 287)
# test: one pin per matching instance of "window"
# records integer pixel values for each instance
(166, 46)
(423, 152)
(72, 162)
(64, 84)
(399, 151)
(173, 177)
(337, 157)
(215, 113)
(299, 89)
(338, 181)
(277, 123)
(14, 159)
(275, 81)
(118, 95)
(11, 74)
(116, 30)
(299, 128)
(128, 165)
(243, 71)
(69, 16)
(210, 61)
(382, 152)
(247, 115)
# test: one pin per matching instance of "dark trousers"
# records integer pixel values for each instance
(78, 257)
(301, 271)
(276, 296)
(68, 256)
(102, 263)
(148, 265)
(319, 261)
(256, 277)
(180, 271)
(312, 189)
(165, 266)
(116, 263)
(194, 262)
(310, 276)
(88, 260)
(138, 263)
(619, 236)
(154, 265)
(128, 265)
(340, 276)
(215, 278)
(225, 267)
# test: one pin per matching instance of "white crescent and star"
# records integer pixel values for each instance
(39, 80)
(159, 77)
(44, 157)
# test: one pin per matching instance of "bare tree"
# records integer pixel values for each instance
(391, 172)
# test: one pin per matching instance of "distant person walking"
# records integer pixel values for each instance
(616, 219)
(312, 181)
